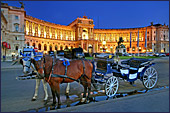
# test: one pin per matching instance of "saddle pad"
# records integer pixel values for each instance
(40, 55)
(66, 62)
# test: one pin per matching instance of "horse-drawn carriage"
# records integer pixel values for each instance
(99, 72)
(108, 70)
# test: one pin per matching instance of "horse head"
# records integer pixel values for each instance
(38, 62)
(26, 62)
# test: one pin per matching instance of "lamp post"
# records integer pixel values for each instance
(104, 43)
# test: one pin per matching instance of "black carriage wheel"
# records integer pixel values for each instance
(150, 78)
(111, 86)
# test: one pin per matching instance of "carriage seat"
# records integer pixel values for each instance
(136, 62)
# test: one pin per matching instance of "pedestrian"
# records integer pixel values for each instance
(3, 58)
(12, 57)
(17, 56)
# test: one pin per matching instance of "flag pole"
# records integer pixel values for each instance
(146, 41)
(138, 42)
(130, 42)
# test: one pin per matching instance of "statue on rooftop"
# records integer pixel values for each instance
(22, 4)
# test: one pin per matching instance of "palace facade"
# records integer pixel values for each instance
(47, 36)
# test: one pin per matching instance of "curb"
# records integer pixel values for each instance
(73, 108)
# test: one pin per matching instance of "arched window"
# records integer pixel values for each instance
(51, 48)
(133, 48)
(66, 47)
(61, 47)
(33, 45)
(28, 44)
(56, 47)
(39, 46)
(45, 47)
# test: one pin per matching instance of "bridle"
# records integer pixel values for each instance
(39, 63)
(28, 64)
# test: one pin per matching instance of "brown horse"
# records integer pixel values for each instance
(77, 70)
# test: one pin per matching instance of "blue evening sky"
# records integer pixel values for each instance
(106, 14)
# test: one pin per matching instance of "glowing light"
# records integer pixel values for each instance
(104, 42)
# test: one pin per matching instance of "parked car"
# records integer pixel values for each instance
(142, 54)
(104, 55)
(95, 54)
(130, 54)
(60, 53)
(162, 54)
(167, 54)
(125, 54)
(156, 54)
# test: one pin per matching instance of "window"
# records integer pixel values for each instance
(56, 47)
(28, 44)
(133, 48)
(50, 47)
(16, 47)
(16, 38)
(39, 46)
(16, 27)
(45, 47)
(16, 17)
(33, 45)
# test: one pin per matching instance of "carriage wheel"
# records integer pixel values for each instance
(111, 86)
(150, 78)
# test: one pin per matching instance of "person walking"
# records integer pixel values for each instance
(3, 58)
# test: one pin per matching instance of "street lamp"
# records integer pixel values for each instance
(104, 43)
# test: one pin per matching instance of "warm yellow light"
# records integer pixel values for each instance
(104, 42)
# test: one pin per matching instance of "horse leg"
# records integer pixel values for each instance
(36, 89)
(58, 94)
(45, 89)
(67, 90)
(85, 91)
(54, 96)
(89, 91)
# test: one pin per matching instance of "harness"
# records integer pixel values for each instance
(66, 64)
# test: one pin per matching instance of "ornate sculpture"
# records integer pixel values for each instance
(120, 41)
(22, 4)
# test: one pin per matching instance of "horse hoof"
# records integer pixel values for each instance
(67, 95)
(33, 99)
(83, 100)
(53, 104)
(52, 108)
(45, 102)
(59, 106)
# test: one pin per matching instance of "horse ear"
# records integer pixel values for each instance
(34, 52)
(21, 53)
(29, 54)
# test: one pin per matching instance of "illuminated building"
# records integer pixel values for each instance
(47, 36)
